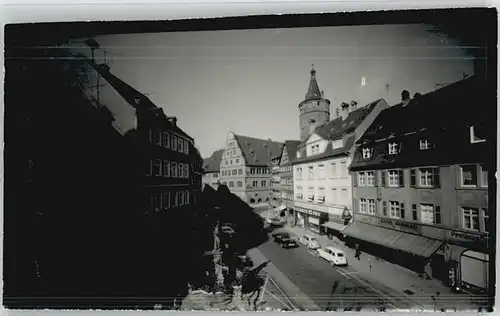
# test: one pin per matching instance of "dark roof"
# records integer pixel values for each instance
(212, 164)
(131, 95)
(329, 151)
(450, 105)
(256, 151)
(291, 148)
(337, 127)
(443, 117)
(313, 92)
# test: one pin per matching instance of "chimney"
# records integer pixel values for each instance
(405, 97)
(344, 112)
(354, 105)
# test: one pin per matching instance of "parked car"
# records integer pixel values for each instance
(275, 221)
(334, 256)
(285, 240)
(310, 242)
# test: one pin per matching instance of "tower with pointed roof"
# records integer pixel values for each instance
(314, 111)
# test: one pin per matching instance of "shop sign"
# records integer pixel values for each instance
(455, 234)
(395, 224)
(309, 212)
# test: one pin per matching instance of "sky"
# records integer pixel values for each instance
(251, 81)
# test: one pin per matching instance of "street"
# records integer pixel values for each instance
(316, 278)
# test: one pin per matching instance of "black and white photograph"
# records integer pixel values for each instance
(303, 162)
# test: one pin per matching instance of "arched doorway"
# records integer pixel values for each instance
(474, 268)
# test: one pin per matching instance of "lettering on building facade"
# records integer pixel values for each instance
(454, 234)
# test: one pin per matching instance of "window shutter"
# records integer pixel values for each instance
(384, 208)
(437, 214)
(382, 176)
(375, 178)
(414, 211)
(402, 210)
(355, 178)
(436, 179)
(401, 178)
(413, 177)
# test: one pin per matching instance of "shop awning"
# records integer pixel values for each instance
(279, 208)
(335, 226)
(414, 244)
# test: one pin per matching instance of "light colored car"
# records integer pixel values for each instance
(334, 256)
(310, 242)
(276, 221)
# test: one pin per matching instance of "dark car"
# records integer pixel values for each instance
(285, 240)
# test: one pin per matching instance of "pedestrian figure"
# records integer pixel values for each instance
(358, 252)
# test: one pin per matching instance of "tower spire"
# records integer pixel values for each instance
(313, 92)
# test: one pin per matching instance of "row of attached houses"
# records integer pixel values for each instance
(409, 182)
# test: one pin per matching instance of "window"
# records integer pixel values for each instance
(239, 184)
(165, 200)
(321, 195)
(157, 167)
(166, 140)
(186, 147)
(216, 175)
(334, 195)
(173, 169)
(429, 177)
(181, 198)
(396, 209)
(157, 137)
(393, 148)
(338, 143)
(186, 170)
(263, 183)
(393, 178)
(470, 218)
(180, 167)
(427, 213)
(174, 143)
(370, 178)
(424, 144)
(361, 179)
(166, 168)
(180, 145)
(486, 219)
(469, 175)
(334, 170)
(311, 172)
(315, 149)
(234, 172)
(363, 205)
(255, 183)
(371, 206)
(157, 202)
(231, 184)
(321, 171)
(366, 153)
(176, 199)
(484, 176)
(414, 211)
(343, 169)
(477, 135)
(186, 197)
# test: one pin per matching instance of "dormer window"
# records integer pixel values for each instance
(393, 148)
(338, 143)
(424, 144)
(367, 153)
(298, 154)
(476, 135)
(315, 149)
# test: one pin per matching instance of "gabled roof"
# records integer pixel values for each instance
(457, 103)
(212, 163)
(291, 148)
(131, 95)
(337, 127)
(256, 151)
(329, 151)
